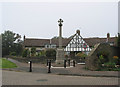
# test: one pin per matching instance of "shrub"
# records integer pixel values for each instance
(101, 58)
(41, 53)
(66, 56)
(13, 53)
(82, 55)
(104, 54)
(26, 53)
(50, 53)
(109, 64)
(33, 51)
(116, 59)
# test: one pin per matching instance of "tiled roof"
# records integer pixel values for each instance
(93, 41)
(35, 42)
(41, 42)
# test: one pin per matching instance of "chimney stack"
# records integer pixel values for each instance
(78, 31)
(24, 37)
(108, 37)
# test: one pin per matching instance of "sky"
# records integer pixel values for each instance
(40, 19)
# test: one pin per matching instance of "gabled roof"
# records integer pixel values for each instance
(77, 44)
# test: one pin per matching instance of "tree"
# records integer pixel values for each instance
(11, 42)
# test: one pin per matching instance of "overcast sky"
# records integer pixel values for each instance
(39, 19)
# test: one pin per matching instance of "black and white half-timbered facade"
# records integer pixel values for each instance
(77, 44)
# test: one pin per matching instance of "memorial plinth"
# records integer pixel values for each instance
(60, 56)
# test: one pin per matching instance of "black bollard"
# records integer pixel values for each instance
(73, 63)
(49, 66)
(30, 66)
(68, 62)
(47, 62)
(64, 63)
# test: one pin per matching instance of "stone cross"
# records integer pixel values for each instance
(60, 32)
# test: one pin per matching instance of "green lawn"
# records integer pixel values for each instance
(6, 64)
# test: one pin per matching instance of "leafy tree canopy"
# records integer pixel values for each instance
(11, 42)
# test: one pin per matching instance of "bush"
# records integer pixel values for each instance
(101, 59)
(50, 53)
(26, 53)
(109, 65)
(33, 51)
(66, 56)
(13, 53)
(116, 59)
(41, 53)
(82, 55)
(103, 54)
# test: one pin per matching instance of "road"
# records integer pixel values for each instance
(29, 78)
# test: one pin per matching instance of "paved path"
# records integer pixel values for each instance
(78, 70)
(27, 78)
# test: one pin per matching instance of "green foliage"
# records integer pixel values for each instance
(13, 53)
(66, 56)
(50, 53)
(103, 56)
(118, 40)
(7, 64)
(33, 51)
(11, 43)
(109, 64)
(116, 59)
(26, 53)
(102, 59)
(41, 53)
(82, 55)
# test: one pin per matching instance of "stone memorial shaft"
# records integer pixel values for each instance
(60, 32)
(60, 50)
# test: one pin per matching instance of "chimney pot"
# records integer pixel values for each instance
(78, 31)
(108, 35)
(24, 37)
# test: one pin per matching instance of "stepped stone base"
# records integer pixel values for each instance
(60, 56)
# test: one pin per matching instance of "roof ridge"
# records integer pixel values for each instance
(37, 39)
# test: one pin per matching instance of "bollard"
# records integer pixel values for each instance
(30, 66)
(68, 62)
(64, 63)
(73, 63)
(49, 66)
(47, 62)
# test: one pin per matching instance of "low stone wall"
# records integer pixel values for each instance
(33, 59)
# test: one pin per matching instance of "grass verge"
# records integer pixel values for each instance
(4, 63)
